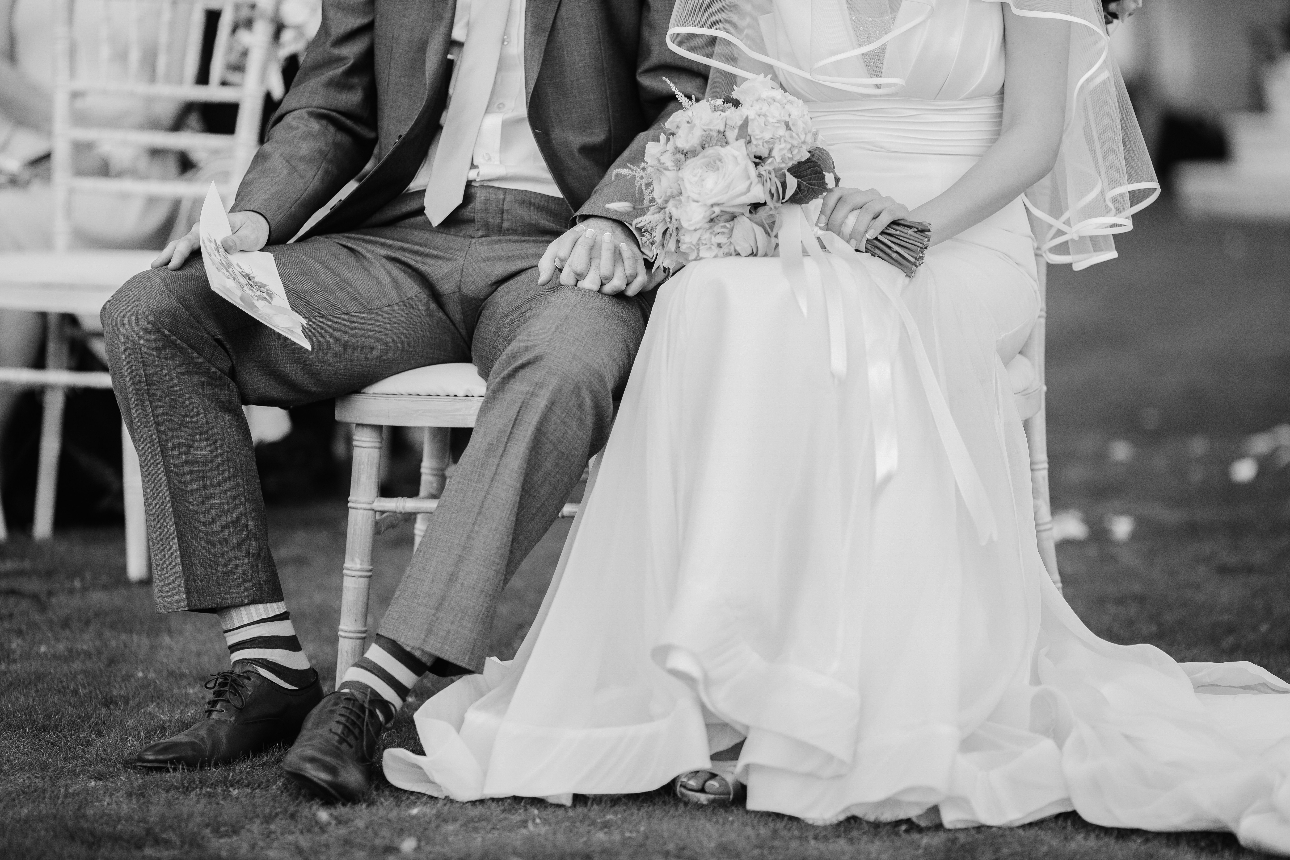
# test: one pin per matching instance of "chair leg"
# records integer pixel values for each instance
(4, 530)
(1037, 433)
(1037, 436)
(435, 455)
(364, 484)
(136, 526)
(51, 429)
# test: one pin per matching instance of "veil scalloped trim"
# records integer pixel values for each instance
(1098, 183)
(1103, 174)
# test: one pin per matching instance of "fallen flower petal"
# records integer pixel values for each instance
(1243, 470)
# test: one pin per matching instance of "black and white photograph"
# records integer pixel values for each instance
(641, 429)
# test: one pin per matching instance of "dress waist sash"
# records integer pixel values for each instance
(923, 126)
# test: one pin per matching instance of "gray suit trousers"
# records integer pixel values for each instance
(395, 295)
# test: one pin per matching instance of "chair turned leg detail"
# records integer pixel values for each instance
(435, 456)
(136, 525)
(1036, 431)
(51, 429)
(364, 486)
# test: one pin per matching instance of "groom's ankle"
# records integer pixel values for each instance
(387, 670)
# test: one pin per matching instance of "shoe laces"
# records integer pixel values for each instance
(354, 716)
(227, 687)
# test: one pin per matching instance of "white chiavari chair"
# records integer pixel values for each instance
(158, 65)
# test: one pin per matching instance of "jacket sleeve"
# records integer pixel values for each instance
(325, 130)
(656, 66)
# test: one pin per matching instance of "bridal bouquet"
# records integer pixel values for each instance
(715, 181)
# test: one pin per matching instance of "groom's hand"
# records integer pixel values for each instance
(250, 233)
(598, 254)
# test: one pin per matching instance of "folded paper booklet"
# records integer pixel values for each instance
(248, 279)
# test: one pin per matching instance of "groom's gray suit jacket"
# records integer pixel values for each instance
(375, 79)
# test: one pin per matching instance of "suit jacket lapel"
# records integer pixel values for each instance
(538, 16)
(439, 29)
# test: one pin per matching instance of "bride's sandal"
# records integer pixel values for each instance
(714, 786)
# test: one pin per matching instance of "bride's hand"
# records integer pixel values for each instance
(858, 216)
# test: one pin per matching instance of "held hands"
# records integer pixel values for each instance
(250, 233)
(858, 216)
(598, 254)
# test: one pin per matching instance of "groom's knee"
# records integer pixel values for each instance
(574, 359)
(556, 377)
(154, 302)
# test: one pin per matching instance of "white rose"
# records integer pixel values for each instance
(707, 117)
(722, 177)
(753, 89)
(687, 134)
(690, 214)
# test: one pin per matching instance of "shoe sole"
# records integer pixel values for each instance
(320, 790)
(206, 764)
(163, 767)
(703, 798)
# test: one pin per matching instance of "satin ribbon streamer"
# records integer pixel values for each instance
(880, 343)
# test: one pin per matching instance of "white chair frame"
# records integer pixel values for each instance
(1036, 426)
(67, 281)
(370, 413)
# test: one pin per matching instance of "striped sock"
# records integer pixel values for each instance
(262, 634)
(387, 669)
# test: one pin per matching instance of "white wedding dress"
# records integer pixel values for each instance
(838, 564)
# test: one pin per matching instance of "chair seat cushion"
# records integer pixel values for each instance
(437, 380)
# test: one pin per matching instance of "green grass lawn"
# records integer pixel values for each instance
(1168, 359)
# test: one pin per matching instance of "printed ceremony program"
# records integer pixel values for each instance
(248, 279)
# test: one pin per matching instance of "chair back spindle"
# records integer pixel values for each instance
(146, 69)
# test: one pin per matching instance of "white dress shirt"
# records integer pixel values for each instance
(505, 154)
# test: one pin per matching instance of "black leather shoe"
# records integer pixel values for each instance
(332, 758)
(247, 713)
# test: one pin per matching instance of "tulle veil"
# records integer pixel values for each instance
(1103, 173)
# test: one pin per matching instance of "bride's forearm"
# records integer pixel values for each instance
(1034, 113)
(1020, 158)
